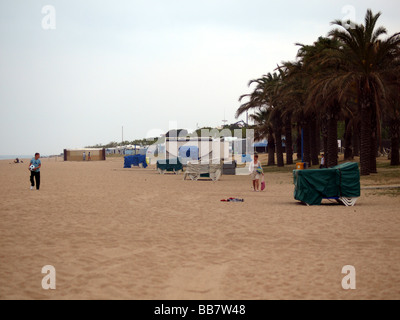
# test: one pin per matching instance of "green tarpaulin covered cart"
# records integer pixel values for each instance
(169, 165)
(341, 183)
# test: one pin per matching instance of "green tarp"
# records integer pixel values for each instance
(169, 165)
(311, 186)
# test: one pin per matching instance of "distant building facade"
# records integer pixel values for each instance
(77, 154)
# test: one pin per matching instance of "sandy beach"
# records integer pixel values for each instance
(114, 233)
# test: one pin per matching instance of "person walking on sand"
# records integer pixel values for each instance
(84, 156)
(322, 162)
(256, 171)
(89, 157)
(35, 172)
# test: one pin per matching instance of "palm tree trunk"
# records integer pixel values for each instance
(332, 158)
(289, 140)
(348, 140)
(373, 153)
(326, 148)
(324, 133)
(374, 140)
(313, 142)
(318, 138)
(271, 149)
(298, 144)
(356, 140)
(395, 138)
(279, 149)
(306, 143)
(366, 132)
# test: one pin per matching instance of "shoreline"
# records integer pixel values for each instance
(8, 158)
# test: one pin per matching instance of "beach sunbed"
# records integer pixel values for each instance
(196, 171)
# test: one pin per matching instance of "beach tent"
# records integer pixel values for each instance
(261, 147)
(143, 151)
(341, 183)
(241, 146)
(207, 148)
(135, 161)
(246, 158)
(188, 153)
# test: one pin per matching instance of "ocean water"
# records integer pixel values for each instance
(13, 157)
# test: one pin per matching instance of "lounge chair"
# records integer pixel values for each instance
(196, 171)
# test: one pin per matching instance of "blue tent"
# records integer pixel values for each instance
(246, 158)
(188, 153)
(260, 146)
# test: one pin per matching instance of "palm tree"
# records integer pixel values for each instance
(348, 138)
(395, 138)
(276, 120)
(292, 92)
(364, 60)
(261, 124)
(284, 113)
(263, 129)
(289, 137)
(352, 76)
(265, 96)
(275, 104)
(320, 102)
(392, 109)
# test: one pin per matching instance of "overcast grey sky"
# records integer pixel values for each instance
(143, 63)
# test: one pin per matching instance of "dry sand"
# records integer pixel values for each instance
(114, 233)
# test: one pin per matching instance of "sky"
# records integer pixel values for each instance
(74, 76)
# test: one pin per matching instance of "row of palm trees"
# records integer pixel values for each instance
(352, 75)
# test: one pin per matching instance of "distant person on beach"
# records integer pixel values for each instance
(89, 157)
(84, 156)
(322, 162)
(35, 172)
(16, 160)
(256, 171)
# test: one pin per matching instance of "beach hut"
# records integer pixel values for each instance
(201, 149)
(83, 154)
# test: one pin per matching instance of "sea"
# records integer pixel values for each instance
(13, 157)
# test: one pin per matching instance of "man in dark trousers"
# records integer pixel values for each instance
(35, 172)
